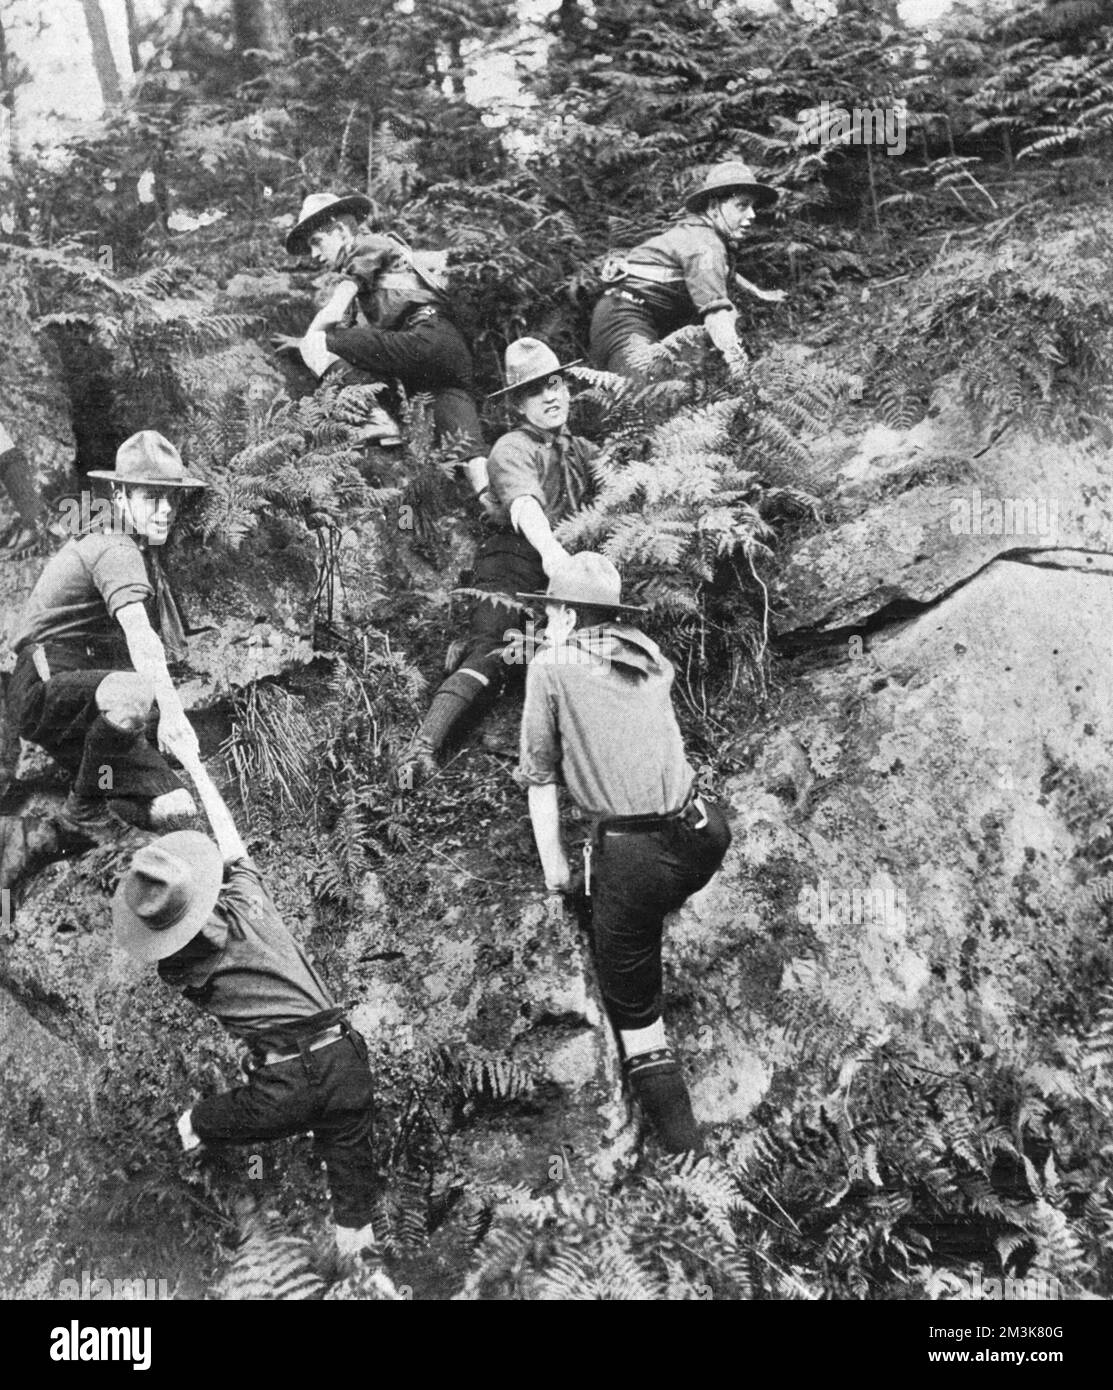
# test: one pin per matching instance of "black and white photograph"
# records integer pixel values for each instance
(556, 664)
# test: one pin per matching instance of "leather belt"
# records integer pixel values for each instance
(693, 814)
(630, 298)
(330, 1035)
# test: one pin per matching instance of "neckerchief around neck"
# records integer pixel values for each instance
(575, 483)
(171, 628)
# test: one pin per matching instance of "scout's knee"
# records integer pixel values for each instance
(125, 699)
(172, 809)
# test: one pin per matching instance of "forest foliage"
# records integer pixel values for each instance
(191, 182)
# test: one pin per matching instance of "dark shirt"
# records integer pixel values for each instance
(701, 262)
(528, 462)
(388, 286)
(244, 966)
(83, 587)
(598, 717)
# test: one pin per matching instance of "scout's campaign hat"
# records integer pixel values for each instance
(165, 897)
(732, 176)
(529, 360)
(585, 579)
(148, 458)
(319, 209)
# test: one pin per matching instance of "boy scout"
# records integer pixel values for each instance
(539, 474)
(402, 329)
(598, 718)
(90, 665)
(682, 276)
(200, 911)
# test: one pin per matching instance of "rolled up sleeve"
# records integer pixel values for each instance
(539, 752)
(119, 574)
(703, 258)
(515, 470)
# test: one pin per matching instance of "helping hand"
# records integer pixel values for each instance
(489, 503)
(176, 735)
(554, 558)
(285, 342)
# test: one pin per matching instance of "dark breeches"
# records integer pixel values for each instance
(636, 880)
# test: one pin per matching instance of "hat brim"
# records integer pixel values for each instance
(763, 195)
(109, 475)
(580, 603)
(529, 380)
(207, 875)
(297, 239)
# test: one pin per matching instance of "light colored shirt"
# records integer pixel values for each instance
(598, 717)
(82, 588)
(701, 260)
(528, 462)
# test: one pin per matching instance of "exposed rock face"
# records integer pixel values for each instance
(918, 851)
(924, 509)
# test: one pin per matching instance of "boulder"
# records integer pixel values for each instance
(918, 511)
(919, 851)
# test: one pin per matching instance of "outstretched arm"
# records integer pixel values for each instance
(223, 826)
(337, 306)
(175, 733)
(722, 329)
(528, 517)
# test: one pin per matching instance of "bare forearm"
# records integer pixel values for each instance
(148, 656)
(722, 330)
(333, 312)
(544, 814)
(223, 826)
(529, 519)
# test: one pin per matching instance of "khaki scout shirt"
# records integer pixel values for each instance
(598, 717)
(244, 966)
(702, 262)
(83, 587)
(388, 286)
(529, 462)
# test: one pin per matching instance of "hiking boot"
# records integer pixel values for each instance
(417, 763)
(21, 538)
(657, 1083)
(90, 819)
(380, 429)
(26, 844)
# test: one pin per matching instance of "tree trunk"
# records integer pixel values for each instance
(104, 62)
(260, 24)
(570, 23)
(133, 42)
(7, 110)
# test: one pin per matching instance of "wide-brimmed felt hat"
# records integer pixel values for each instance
(317, 210)
(165, 897)
(732, 176)
(528, 360)
(586, 579)
(148, 458)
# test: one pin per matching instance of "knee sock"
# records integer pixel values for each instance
(96, 777)
(15, 469)
(635, 1040)
(462, 692)
(657, 1083)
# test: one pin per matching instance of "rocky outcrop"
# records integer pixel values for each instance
(918, 512)
(922, 846)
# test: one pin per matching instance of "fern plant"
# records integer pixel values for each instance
(692, 475)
